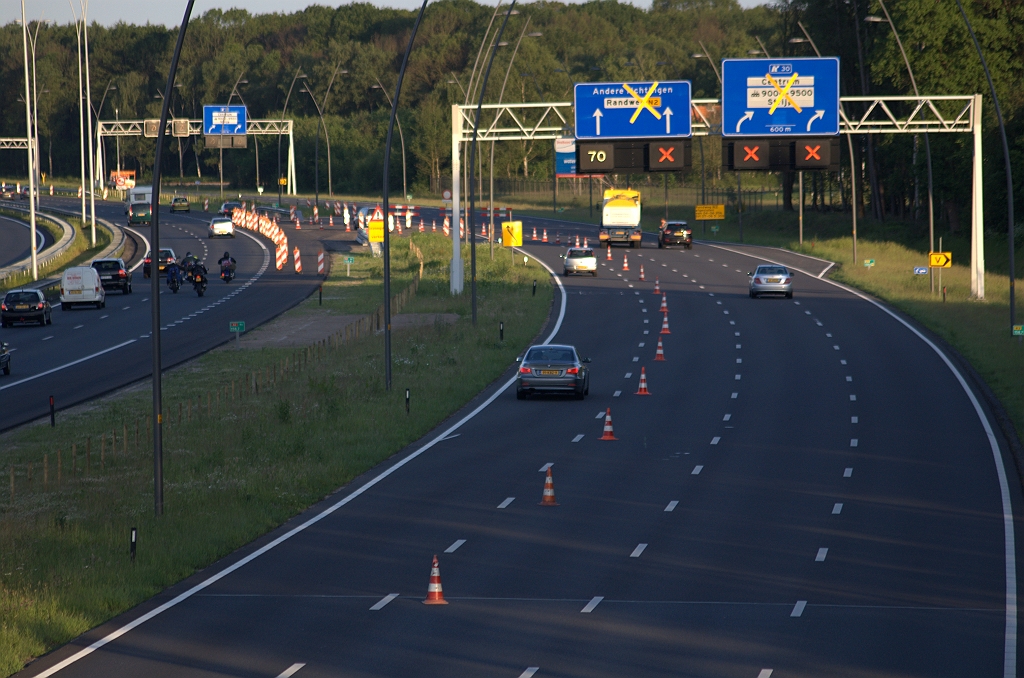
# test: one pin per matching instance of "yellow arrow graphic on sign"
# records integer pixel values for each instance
(783, 92)
(644, 103)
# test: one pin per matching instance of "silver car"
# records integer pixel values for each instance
(580, 260)
(221, 227)
(553, 368)
(771, 279)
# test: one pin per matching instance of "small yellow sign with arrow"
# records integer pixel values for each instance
(940, 259)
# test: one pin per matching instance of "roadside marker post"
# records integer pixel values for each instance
(237, 326)
(348, 265)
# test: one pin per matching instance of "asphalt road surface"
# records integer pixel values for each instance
(809, 490)
(14, 241)
(87, 351)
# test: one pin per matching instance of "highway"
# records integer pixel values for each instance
(87, 352)
(14, 241)
(811, 489)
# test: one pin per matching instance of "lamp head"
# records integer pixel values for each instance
(872, 19)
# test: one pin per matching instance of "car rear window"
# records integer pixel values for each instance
(22, 298)
(550, 354)
(576, 254)
(676, 225)
(106, 266)
(772, 270)
(179, 200)
(166, 254)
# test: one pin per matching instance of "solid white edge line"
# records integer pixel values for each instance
(379, 605)
(148, 249)
(67, 365)
(290, 671)
(1009, 539)
(117, 633)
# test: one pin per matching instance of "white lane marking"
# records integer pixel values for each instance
(455, 546)
(530, 670)
(114, 635)
(818, 323)
(828, 334)
(696, 470)
(630, 285)
(545, 467)
(671, 506)
(104, 316)
(854, 420)
(732, 322)
(78, 327)
(849, 378)
(700, 286)
(718, 303)
(807, 312)
(725, 312)
(145, 299)
(842, 362)
(853, 442)
(727, 417)
(852, 397)
(642, 344)
(617, 394)
(594, 602)
(820, 558)
(739, 360)
(600, 415)
(636, 358)
(43, 339)
(628, 375)
(797, 303)
(736, 333)
(837, 509)
(848, 472)
(714, 441)
(147, 248)
(765, 673)
(836, 347)
(379, 605)
(739, 345)
(647, 331)
(291, 670)
(738, 377)
(645, 322)
(711, 294)
(798, 609)
(643, 310)
(58, 369)
(126, 308)
(638, 550)
(735, 396)
(579, 437)
(505, 503)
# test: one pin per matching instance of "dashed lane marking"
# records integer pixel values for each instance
(594, 602)
(638, 550)
(854, 420)
(671, 506)
(798, 609)
(455, 546)
(848, 472)
(600, 415)
(379, 605)
(735, 395)
(505, 503)
(528, 673)
(837, 509)
(696, 470)
(714, 441)
(545, 467)
(727, 417)
(293, 669)
(820, 558)
(579, 437)
(853, 442)
(617, 394)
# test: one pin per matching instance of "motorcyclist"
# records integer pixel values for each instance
(227, 261)
(173, 272)
(187, 262)
(199, 269)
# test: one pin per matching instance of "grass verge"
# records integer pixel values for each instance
(252, 438)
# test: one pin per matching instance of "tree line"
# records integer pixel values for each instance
(350, 55)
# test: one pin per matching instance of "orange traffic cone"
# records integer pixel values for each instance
(548, 499)
(664, 303)
(348, 227)
(435, 596)
(585, 242)
(657, 286)
(330, 220)
(642, 279)
(433, 226)
(577, 240)
(660, 355)
(545, 238)
(558, 238)
(609, 434)
(297, 226)
(625, 262)
(483, 231)
(643, 383)
(664, 325)
(422, 227)
(534, 238)
(609, 250)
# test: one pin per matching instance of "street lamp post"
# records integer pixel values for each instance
(298, 76)
(255, 139)
(327, 136)
(320, 121)
(927, 143)
(703, 196)
(401, 137)
(81, 107)
(88, 98)
(28, 135)
(35, 111)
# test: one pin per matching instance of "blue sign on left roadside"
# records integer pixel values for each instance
(224, 120)
(780, 97)
(920, 270)
(632, 110)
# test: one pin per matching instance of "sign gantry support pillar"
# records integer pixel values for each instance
(977, 210)
(292, 189)
(456, 265)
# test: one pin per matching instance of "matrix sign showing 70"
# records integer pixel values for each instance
(595, 158)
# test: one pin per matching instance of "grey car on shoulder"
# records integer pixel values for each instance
(553, 368)
(771, 279)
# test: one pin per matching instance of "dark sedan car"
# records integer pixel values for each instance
(165, 257)
(676, 233)
(25, 306)
(228, 208)
(553, 368)
(114, 274)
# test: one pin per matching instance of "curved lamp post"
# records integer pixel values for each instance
(320, 115)
(299, 75)
(401, 137)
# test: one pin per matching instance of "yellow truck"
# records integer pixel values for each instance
(620, 217)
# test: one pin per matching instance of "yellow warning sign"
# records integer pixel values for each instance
(512, 234)
(709, 212)
(940, 259)
(375, 226)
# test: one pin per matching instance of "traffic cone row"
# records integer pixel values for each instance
(657, 286)
(660, 355)
(642, 273)
(625, 262)
(664, 325)
(664, 303)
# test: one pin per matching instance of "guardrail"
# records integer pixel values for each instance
(51, 255)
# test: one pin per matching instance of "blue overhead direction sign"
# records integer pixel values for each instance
(780, 97)
(632, 110)
(224, 120)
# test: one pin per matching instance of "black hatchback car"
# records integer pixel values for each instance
(114, 275)
(676, 233)
(25, 306)
(553, 368)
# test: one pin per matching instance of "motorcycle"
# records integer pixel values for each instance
(199, 282)
(227, 273)
(174, 281)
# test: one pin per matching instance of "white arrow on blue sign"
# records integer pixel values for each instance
(632, 110)
(780, 97)
(224, 120)
(920, 270)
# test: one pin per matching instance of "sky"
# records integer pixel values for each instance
(169, 13)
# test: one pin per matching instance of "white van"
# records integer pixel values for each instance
(138, 194)
(81, 285)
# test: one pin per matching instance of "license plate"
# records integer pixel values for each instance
(549, 373)
(680, 233)
(21, 307)
(774, 280)
(76, 291)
